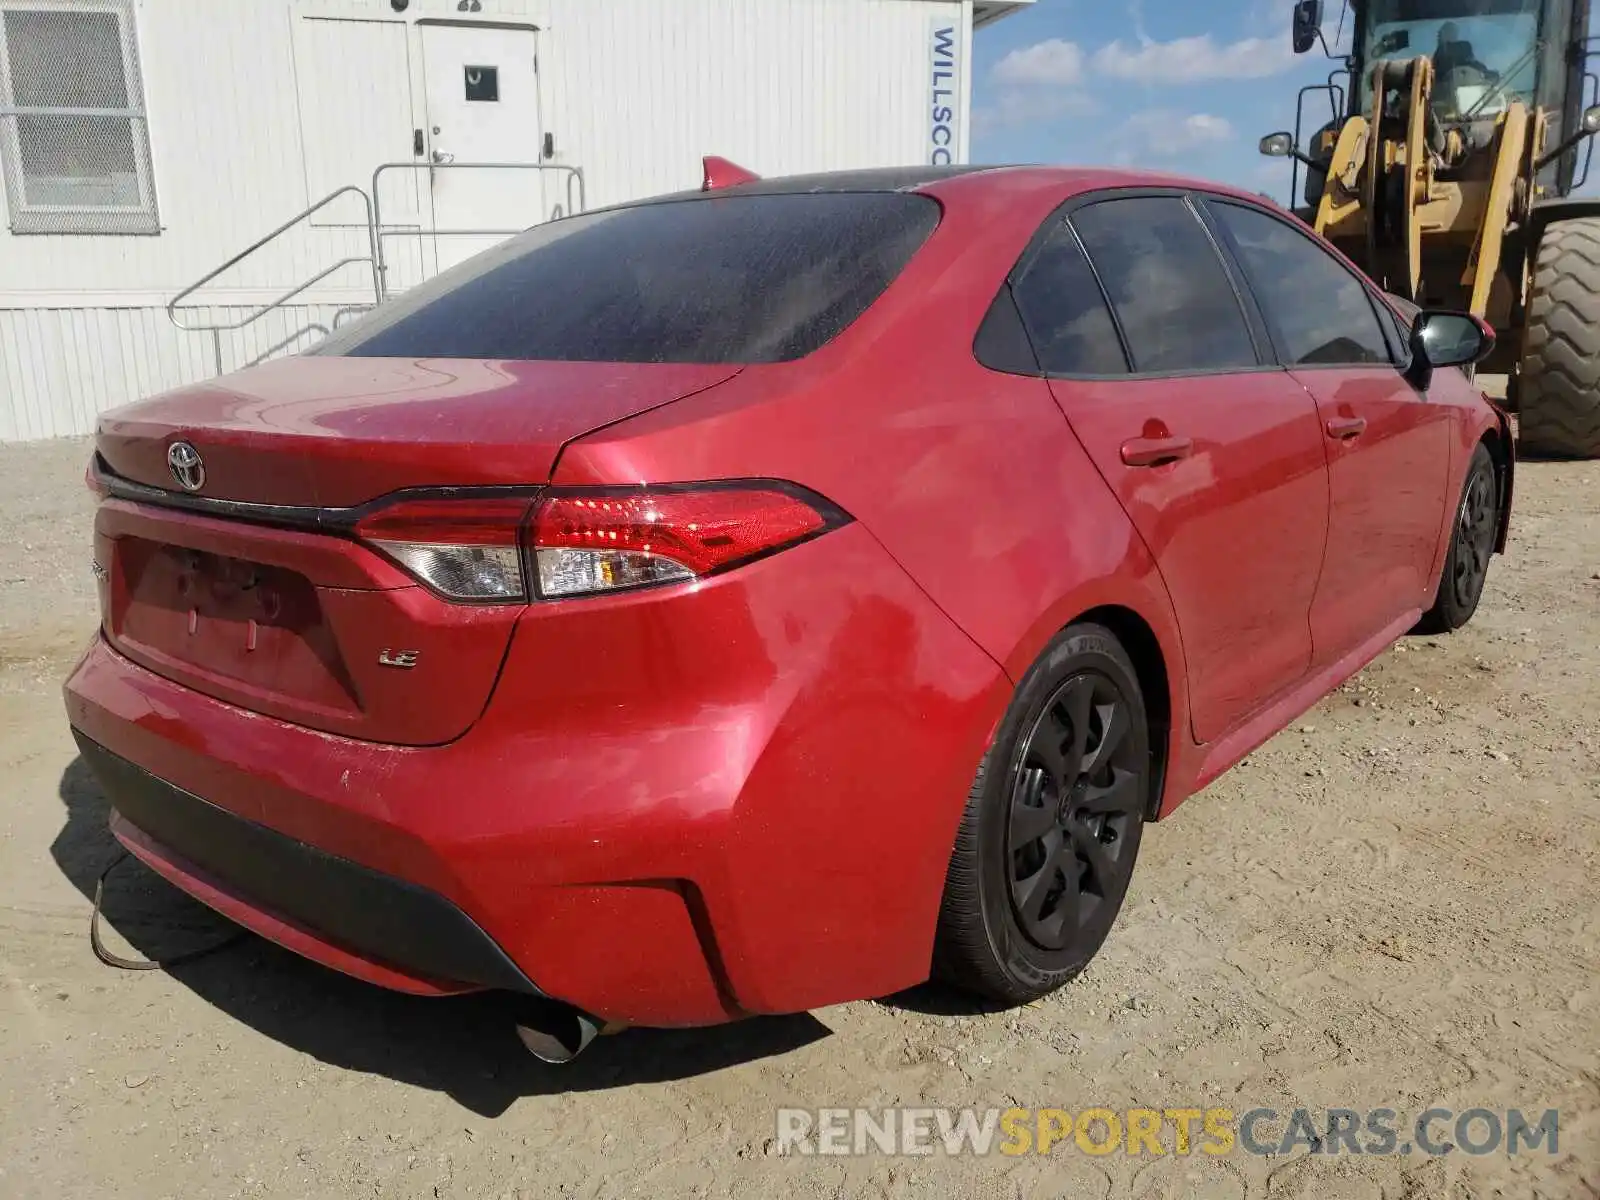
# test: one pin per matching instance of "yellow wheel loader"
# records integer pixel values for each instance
(1458, 136)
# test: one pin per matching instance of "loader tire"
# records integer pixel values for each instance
(1558, 394)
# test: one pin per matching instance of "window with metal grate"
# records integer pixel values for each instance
(73, 138)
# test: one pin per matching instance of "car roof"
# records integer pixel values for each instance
(956, 182)
(875, 179)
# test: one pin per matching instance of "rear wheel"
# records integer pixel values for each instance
(1052, 826)
(1558, 391)
(1472, 537)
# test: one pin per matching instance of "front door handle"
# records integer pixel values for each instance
(1152, 452)
(1345, 428)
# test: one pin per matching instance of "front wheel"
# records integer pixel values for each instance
(1472, 535)
(1052, 825)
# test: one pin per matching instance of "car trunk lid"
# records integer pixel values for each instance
(252, 587)
(332, 432)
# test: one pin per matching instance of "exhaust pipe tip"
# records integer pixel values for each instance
(556, 1033)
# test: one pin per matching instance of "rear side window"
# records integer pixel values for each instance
(729, 279)
(1319, 313)
(1065, 314)
(1171, 293)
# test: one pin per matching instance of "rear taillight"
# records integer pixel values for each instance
(464, 548)
(583, 541)
(604, 541)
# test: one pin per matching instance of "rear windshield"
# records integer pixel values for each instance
(733, 279)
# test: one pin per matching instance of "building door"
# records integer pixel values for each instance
(353, 83)
(483, 107)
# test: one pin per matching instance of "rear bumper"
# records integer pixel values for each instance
(345, 915)
(677, 808)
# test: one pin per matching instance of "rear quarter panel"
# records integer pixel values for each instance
(971, 479)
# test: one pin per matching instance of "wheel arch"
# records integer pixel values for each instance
(1547, 212)
(1497, 439)
(1139, 639)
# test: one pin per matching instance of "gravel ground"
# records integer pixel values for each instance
(1394, 904)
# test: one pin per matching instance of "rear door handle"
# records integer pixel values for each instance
(1152, 452)
(1345, 428)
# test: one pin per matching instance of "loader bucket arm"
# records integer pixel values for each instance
(1341, 197)
(1399, 145)
(1511, 162)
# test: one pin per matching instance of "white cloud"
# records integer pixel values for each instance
(1015, 107)
(1206, 128)
(1194, 59)
(1056, 62)
(1272, 171)
(1164, 134)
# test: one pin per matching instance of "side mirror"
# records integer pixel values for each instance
(1307, 24)
(1281, 145)
(1447, 339)
(1277, 145)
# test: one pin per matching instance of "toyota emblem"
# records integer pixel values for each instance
(187, 466)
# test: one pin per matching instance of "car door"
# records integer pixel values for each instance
(1156, 359)
(1388, 445)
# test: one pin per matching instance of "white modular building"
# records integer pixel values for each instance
(192, 186)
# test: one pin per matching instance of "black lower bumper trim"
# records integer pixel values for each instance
(371, 914)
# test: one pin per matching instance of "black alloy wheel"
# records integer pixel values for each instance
(1472, 540)
(1476, 521)
(1078, 785)
(1052, 825)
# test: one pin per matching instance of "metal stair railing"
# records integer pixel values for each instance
(576, 202)
(217, 330)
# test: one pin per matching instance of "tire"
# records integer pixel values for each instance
(1472, 535)
(1010, 927)
(1558, 394)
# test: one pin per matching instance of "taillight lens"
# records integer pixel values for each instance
(586, 541)
(583, 541)
(466, 548)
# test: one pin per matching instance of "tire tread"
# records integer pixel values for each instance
(1558, 393)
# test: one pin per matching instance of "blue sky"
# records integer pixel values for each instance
(1186, 86)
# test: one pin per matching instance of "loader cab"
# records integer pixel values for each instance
(1486, 54)
(1458, 139)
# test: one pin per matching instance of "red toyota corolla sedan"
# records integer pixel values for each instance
(745, 601)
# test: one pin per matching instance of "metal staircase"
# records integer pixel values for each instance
(189, 316)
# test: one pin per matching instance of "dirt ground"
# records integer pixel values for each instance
(1394, 904)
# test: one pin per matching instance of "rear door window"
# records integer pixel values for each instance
(727, 279)
(1064, 311)
(1171, 293)
(1318, 312)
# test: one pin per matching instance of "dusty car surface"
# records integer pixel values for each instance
(749, 600)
